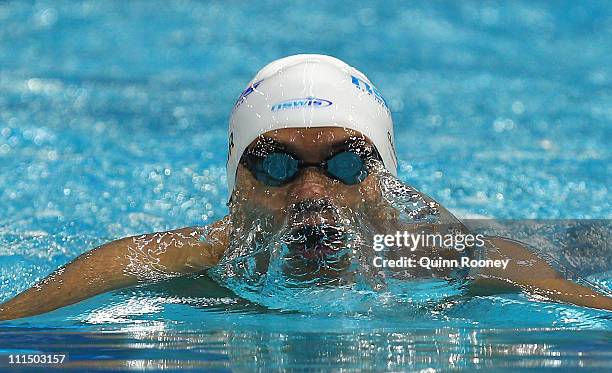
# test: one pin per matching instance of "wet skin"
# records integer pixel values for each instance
(150, 257)
(311, 145)
(311, 185)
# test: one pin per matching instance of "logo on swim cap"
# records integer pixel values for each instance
(245, 93)
(298, 103)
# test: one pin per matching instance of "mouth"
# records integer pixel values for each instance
(315, 251)
(316, 242)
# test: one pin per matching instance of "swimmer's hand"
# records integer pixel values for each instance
(122, 263)
(531, 274)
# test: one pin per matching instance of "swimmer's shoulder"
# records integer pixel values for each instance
(218, 231)
(201, 246)
(216, 234)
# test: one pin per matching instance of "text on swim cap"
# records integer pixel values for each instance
(369, 89)
(298, 103)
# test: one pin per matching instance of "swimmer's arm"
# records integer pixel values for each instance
(119, 264)
(531, 274)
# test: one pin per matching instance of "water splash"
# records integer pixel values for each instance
(317, 256)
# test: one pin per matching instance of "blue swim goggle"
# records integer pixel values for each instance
(273, 165)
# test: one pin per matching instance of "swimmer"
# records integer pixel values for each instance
(311, 154)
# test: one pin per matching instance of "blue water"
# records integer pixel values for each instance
(113, 122)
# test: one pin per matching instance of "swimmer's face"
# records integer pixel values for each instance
(311, 145)
(314, 212)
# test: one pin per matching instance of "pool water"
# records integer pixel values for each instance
(113, 122)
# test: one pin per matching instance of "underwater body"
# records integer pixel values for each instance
(501, 111)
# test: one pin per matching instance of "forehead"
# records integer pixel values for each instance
(311, 144)
(319, 136)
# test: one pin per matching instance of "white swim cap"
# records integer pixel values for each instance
(309, 90)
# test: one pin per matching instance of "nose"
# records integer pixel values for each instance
(309, 185)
